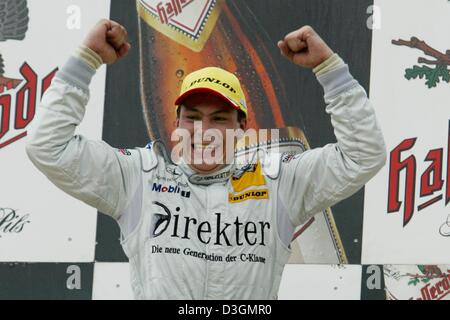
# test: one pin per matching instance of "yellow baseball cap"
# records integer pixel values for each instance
(216, 81)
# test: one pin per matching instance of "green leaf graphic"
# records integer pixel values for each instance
(444, 73)
(432, 75)
(421, 267)
(413, 281)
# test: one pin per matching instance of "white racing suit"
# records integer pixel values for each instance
(187, 236)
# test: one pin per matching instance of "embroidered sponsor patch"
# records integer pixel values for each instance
(288, 157)
(247, 195)
(157, 187)
(249, 177)
(125, 152)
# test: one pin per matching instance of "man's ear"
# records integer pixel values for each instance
(177, 121)
(243, 124)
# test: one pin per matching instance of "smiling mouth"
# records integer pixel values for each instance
(206, 154)
(203, 147)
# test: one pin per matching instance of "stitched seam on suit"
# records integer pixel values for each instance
(67, 174)
(354, 138)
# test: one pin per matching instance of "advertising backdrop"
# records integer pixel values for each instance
(406, 214)
(38, 222)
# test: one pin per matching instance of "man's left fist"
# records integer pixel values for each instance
(305, 47)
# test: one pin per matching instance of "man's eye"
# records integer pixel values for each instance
(220, 119)
(193, 117)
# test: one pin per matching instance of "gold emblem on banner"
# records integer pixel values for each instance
(188, 22)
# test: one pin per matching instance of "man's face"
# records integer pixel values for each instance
(198, 115)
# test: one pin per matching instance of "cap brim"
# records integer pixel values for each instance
(188, 93)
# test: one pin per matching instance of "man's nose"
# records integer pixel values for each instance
(202, 126)
(206, 125)
(199, 129)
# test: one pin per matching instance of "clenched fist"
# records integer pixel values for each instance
(305, 47)
(109, 40)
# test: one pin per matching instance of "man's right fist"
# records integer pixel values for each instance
(109, 40)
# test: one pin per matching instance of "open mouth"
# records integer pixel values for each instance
(206, 153)
(203, 147)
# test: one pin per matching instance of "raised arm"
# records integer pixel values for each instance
(91, 171)
(321, 177)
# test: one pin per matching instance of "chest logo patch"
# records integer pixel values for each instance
(248, 176)
(247, 195)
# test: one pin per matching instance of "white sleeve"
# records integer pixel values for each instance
(321, 177)
(91, 171)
